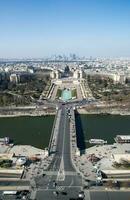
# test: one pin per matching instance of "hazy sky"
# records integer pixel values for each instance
(38, 28)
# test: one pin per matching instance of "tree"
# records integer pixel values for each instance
(67, 69)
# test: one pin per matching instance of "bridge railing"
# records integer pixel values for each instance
(53, 136)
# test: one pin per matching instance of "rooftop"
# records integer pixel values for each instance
(123, 137)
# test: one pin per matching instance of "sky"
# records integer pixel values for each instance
(41, 28)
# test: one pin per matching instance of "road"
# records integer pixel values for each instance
(61, 175)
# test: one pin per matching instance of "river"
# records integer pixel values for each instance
(34, 131)
(101, 126)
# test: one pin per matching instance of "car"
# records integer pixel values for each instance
(43, 175)
(64, 193)
(54, 184)
(81, 195)
(55, 193)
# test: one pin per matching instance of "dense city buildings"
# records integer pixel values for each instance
(65, 89)
(65, 100)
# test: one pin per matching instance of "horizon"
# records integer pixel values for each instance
(37, 29)
(82, 57)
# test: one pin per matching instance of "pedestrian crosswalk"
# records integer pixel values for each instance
(67, 173)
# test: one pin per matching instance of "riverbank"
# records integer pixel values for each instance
(26, 111)
(103, 111)
(26, 115)
(103, 157)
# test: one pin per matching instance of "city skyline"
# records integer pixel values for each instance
(44, 28)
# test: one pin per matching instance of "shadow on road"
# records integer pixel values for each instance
(80, 133)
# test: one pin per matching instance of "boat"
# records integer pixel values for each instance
(122, 139)
(5, 140)
(97, 141)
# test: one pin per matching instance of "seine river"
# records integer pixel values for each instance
(34, 131)
(101, 126)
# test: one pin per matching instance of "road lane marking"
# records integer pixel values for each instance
(61, 173)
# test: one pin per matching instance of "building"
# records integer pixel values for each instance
(119, 78)
(55, 74)
(14, 78)
(52, 74)
(121, 173)
(78, 74)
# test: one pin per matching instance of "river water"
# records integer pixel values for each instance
(34, 131)
(101, 126)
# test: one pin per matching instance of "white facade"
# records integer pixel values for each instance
(119, 78)
(52, 75)
(55, 74)
(78, 74)
(14, 78)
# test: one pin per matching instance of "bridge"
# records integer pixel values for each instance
(61, 172)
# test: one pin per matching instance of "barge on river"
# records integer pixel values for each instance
(122, 139)
(97, 141)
